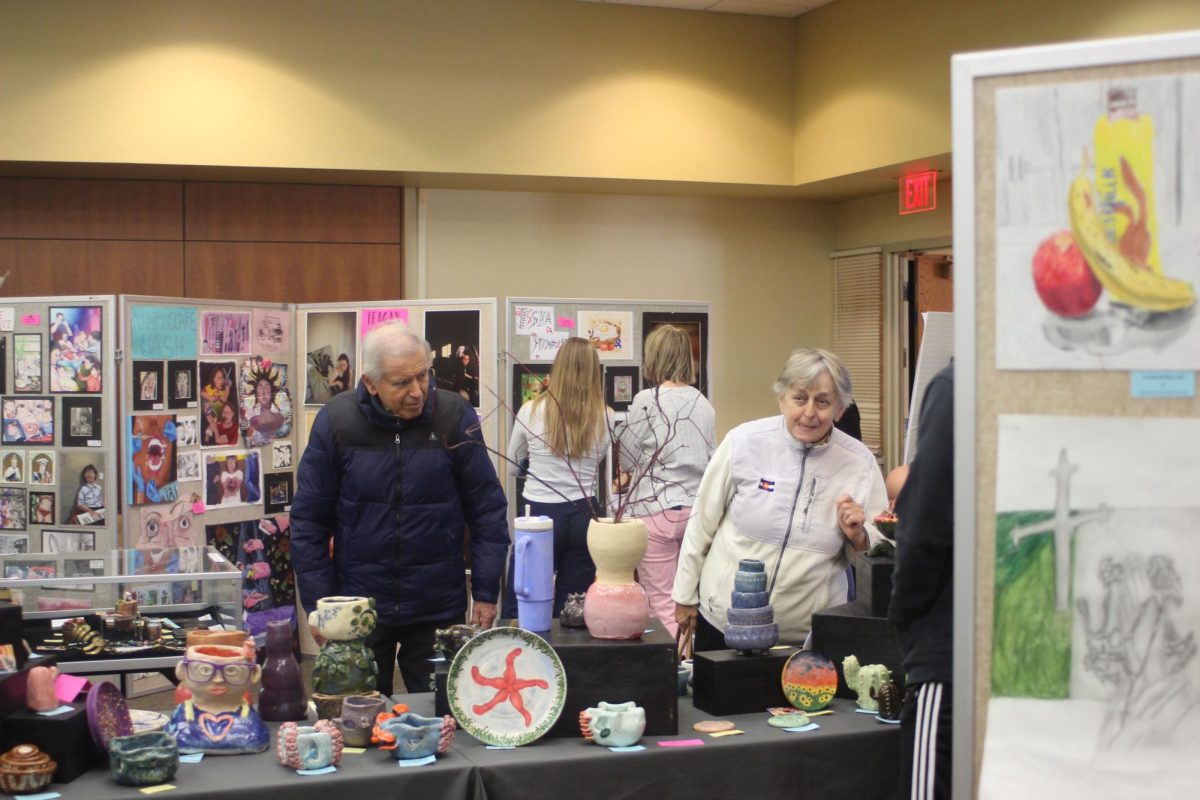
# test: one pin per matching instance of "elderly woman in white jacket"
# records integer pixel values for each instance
(790, 491)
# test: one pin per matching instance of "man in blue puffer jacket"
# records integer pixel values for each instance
(395, 473)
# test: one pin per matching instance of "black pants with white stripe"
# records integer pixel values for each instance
(925, 724)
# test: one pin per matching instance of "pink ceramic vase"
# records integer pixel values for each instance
(39, 689)
(616, 606)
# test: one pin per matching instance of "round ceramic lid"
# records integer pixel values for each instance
(506, 687)
(108, 714)
(809, 680)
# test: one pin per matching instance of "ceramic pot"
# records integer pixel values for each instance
(309, 746)
(358, 717)
(749, 581)
(616, 606)
(344, 667)
(39, 689)
(143, 759)
(750, 599)
(283, 696)
(217, 718)
(343, 619)
(751, 565)
(417, 737)
(750, 616)
(25, 769)
(613, 724)
(749, 639)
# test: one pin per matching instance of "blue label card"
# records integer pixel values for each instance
(54, 712)
(321, 771)
(500, 747)
(633, 748)
(191, 758)
(1159, 383)
(812, 726)
(42, 796)
(865, 711)
(417, 762)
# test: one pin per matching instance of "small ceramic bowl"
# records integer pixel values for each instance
(25, 769)
(143, 759)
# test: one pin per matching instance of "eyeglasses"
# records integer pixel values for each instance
(234, 674)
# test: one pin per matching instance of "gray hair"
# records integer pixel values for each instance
(805, 365)
(392, 339)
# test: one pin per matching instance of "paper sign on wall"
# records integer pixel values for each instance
(545, 346)
(163, 331)
(534, 318)
(8, 318)
(371, 318)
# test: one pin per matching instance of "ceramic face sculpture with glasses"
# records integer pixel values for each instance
(345, 664)
(218, 718)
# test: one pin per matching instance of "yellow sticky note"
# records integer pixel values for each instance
(354, 751)
(162, 787)
(783, 647)
(725, 733)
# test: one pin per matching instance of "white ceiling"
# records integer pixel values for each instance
(769, 8)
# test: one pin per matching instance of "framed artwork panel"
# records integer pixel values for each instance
(696, 327)
(278, 489)
(81, 422)
(27, 420)
(27, 363)
(147, 385)
(182, 391)
(68, 541)
(41, 508)
(528, 381)
(620, 385)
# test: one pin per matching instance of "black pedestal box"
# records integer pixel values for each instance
(727, 682)
(851, 630)
(64, 737)
(11, 620)
(641, 670)
(873, 582)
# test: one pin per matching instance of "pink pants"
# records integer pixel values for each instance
(664, 536)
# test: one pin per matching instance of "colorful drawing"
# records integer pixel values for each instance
(1096, 607)
(272, 330)
(611, 332)
(695, 325)
(331, 354)
(454, 337)
(41, 508)
(27, 363)
(28, 420)
(224, 332)
(14, 507)
(43, 468)
(75, 355)
(263, 550)
(278, 489)
(151, 464)
(83, 505)
(266, 404)
(1097, 199)
(166, 525)
(218, 404)
(12, 466)
(232, 479)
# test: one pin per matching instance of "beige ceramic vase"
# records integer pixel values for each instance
(615, 606)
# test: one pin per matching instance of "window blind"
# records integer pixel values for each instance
(858, 335)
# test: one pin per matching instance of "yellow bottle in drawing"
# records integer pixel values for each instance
(1124, 143)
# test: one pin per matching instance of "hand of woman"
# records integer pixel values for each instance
(685, 617)
(851, 520)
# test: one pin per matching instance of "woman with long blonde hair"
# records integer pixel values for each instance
(564, 433)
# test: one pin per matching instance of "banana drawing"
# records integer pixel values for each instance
(1125, 283)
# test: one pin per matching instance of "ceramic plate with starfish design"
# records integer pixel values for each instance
(506, 687)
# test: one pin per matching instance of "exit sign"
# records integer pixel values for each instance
(918, 192)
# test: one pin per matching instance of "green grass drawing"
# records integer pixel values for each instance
(1031, 642)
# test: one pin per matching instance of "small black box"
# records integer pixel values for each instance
(726, 682)
(642, 670)
(65, 737)
(851, 630)
(873, 582)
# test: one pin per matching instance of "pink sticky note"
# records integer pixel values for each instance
(197, 508)
(566, 322)
(31, 319)
(681, 743)
(68, 687)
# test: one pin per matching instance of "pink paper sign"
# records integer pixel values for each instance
(682, 743)
(31, 319)
(68, 687)
(371, 318)
(566, 322)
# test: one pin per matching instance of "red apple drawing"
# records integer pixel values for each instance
(1063, 278)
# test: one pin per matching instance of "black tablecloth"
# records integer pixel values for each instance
(851, 755)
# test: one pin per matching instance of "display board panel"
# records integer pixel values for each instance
(1075, 215)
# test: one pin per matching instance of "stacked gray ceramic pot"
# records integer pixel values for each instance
(751, 627)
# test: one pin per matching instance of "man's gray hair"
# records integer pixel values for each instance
(392, 339)
(805, 365)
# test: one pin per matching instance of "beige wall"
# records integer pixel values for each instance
(526, 87)
(873, 76)
(875, 220)
(763, 264)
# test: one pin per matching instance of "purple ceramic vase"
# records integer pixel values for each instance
(283, 695)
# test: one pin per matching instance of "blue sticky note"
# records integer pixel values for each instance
(191, 758)
(500, 747)
(633, 748)
(1162, 383)
(42, 796)
(889, 721)
(54, 712)
(321, 771)
(864, 711)
(417, 762)
(163, 331)
(812, 726)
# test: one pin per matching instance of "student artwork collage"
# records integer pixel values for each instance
(51, 440)
(209, 449)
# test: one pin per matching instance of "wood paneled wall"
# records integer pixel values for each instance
(244, 241)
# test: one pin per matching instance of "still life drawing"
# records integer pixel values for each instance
(610, 332)
(1097, 208)
(1095, 683)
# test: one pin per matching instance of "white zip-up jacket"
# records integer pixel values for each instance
(767, 496)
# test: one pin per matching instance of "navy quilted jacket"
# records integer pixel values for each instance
(397, 497)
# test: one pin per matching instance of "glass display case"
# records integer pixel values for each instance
(121, 610)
